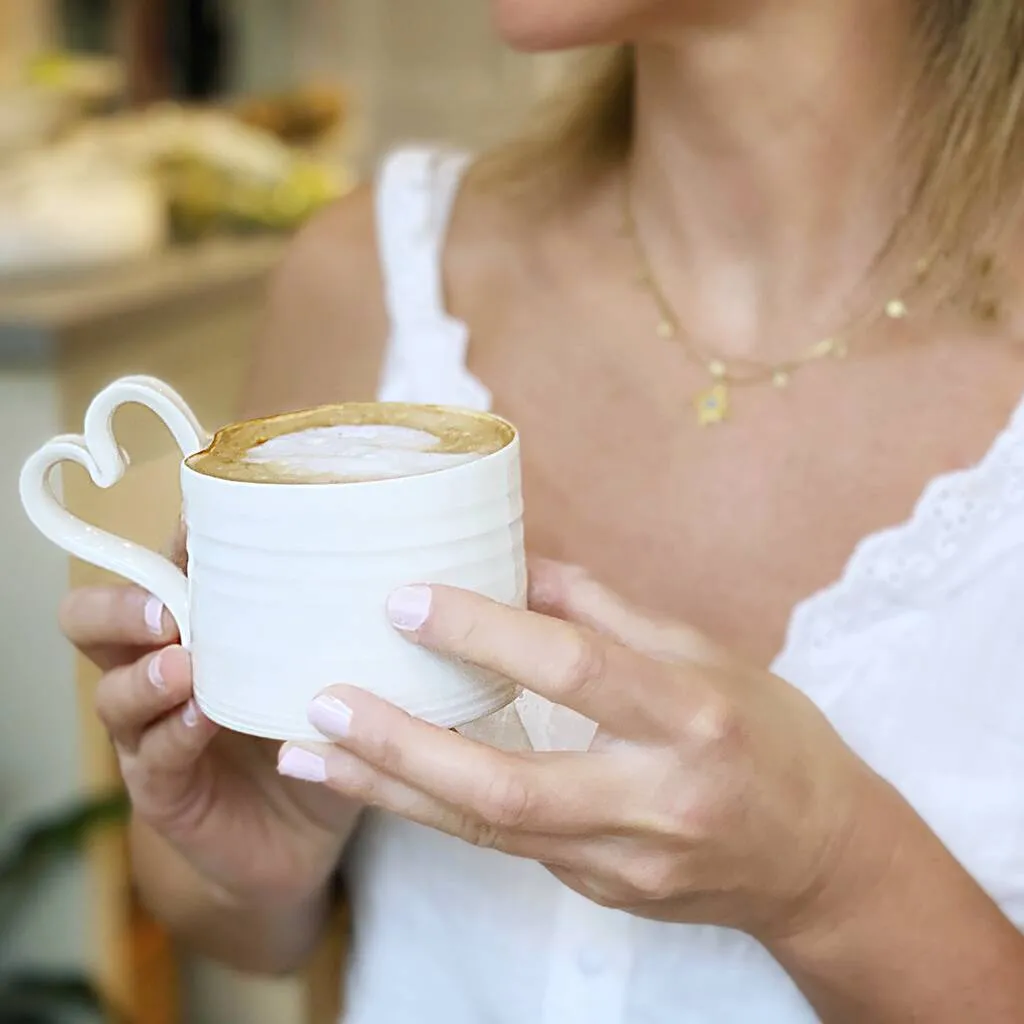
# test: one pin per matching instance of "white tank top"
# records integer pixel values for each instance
(916, 655)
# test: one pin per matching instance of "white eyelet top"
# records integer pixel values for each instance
(916, 655)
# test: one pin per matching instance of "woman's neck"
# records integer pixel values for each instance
(765, 172)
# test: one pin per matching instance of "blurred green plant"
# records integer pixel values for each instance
(42, 995)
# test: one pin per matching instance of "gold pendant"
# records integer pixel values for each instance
(712, 405)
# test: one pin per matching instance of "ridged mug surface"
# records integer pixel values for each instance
(288, 584)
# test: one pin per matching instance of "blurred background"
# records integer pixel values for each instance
(155, 156)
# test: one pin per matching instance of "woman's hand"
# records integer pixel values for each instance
(713, 791)
(216, 797)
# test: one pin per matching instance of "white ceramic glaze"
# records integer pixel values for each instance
(286, 583)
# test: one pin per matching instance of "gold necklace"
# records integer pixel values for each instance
(712, 403)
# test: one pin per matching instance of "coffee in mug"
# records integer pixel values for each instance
(299, 526)
(351, 443)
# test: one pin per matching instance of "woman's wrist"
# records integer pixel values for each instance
(897, 914)
(262, 935)
(865, 864)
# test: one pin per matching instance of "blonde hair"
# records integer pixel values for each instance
(964, 129)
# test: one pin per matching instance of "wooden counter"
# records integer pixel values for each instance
(44, 320)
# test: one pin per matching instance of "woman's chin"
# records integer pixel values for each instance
(541, 26)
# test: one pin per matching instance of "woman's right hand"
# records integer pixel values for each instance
(215, 796)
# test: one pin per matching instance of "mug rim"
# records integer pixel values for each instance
(511, 444)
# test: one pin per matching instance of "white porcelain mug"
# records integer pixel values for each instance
(286, 583)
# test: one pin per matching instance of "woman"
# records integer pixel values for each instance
(660, 293)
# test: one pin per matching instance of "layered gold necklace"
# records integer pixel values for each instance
(712, 403)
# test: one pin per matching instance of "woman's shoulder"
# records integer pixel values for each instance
(328, 318)
(325, 322)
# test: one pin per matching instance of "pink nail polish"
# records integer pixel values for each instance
(330, 715)
(156, 676)
(190, 716)
(409, 607)
(153, 614)
(297, 763)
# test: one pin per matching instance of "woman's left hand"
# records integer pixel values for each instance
(713, 792)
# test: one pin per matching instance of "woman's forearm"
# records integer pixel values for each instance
(909, 935)
(259, 939)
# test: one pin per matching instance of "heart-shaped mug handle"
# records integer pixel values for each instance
(98, 451)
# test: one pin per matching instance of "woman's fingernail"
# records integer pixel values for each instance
(408, 607)
(297, 763)
(330, 715)
(156, 676)
(190, 716)
(153, 613)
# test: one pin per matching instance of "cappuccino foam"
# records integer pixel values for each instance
(351, 443)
